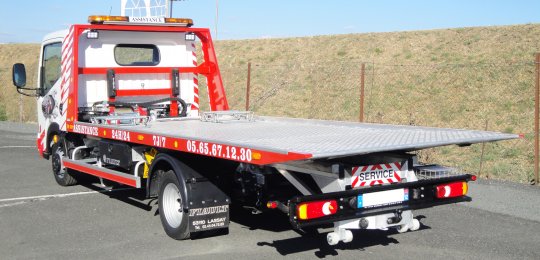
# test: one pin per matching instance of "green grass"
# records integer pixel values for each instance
(341, 53)
(3, 115)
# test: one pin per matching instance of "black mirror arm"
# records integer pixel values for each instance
(37, 94)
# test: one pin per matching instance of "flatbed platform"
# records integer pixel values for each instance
(315, 138)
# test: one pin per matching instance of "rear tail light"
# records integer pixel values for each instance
(272, 205)
(451, 190)
(316, 209)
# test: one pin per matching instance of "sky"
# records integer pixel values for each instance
(28, 21)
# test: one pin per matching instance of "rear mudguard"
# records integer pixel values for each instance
(207, 206)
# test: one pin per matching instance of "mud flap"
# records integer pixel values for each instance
(208, 206)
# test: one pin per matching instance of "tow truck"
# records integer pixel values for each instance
(118, 99)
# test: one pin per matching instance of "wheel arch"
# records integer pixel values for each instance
(164, 161)
(53, 129)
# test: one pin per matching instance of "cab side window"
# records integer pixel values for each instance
(52, 54)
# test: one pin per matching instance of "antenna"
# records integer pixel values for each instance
(217, 16)
(171, 6)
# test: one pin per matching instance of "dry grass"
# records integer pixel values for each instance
(458, 78)
(464, 45)
(9, 98)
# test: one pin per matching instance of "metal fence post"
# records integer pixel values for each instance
(362, 86)
(536, 120)
(21, 109)
(248, 85)
(482, 155)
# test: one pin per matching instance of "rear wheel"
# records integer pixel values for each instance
(61, 174)
(173, 218)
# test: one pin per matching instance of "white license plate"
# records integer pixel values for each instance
(382, 198)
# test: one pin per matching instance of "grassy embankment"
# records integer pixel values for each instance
(468, 77)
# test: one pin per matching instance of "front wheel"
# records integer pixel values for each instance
(173, 218)
(61, 174)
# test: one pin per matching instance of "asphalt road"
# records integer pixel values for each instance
(39, 219)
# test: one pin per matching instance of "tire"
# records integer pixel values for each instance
(62, 175)
(170, 201)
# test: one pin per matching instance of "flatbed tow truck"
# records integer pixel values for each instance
(118, 99)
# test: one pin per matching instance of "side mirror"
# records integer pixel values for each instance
(19, 75)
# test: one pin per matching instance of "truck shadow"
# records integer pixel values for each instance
(317, 242)
(313, 239)
(272, 221)
(126, 194)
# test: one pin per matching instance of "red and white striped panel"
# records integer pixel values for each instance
(195, 103)
(376, 174)
(40, 142)
(66, 70)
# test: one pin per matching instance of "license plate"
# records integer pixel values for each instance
(383, 198)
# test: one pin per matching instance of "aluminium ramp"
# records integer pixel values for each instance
(321, 139)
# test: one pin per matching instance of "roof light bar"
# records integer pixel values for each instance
(101, 19)
(107, 19)
(179, 21)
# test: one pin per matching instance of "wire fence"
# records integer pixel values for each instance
(490, 96)
(497, 97)
(14, 106)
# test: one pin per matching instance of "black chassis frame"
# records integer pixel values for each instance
(422, 194)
